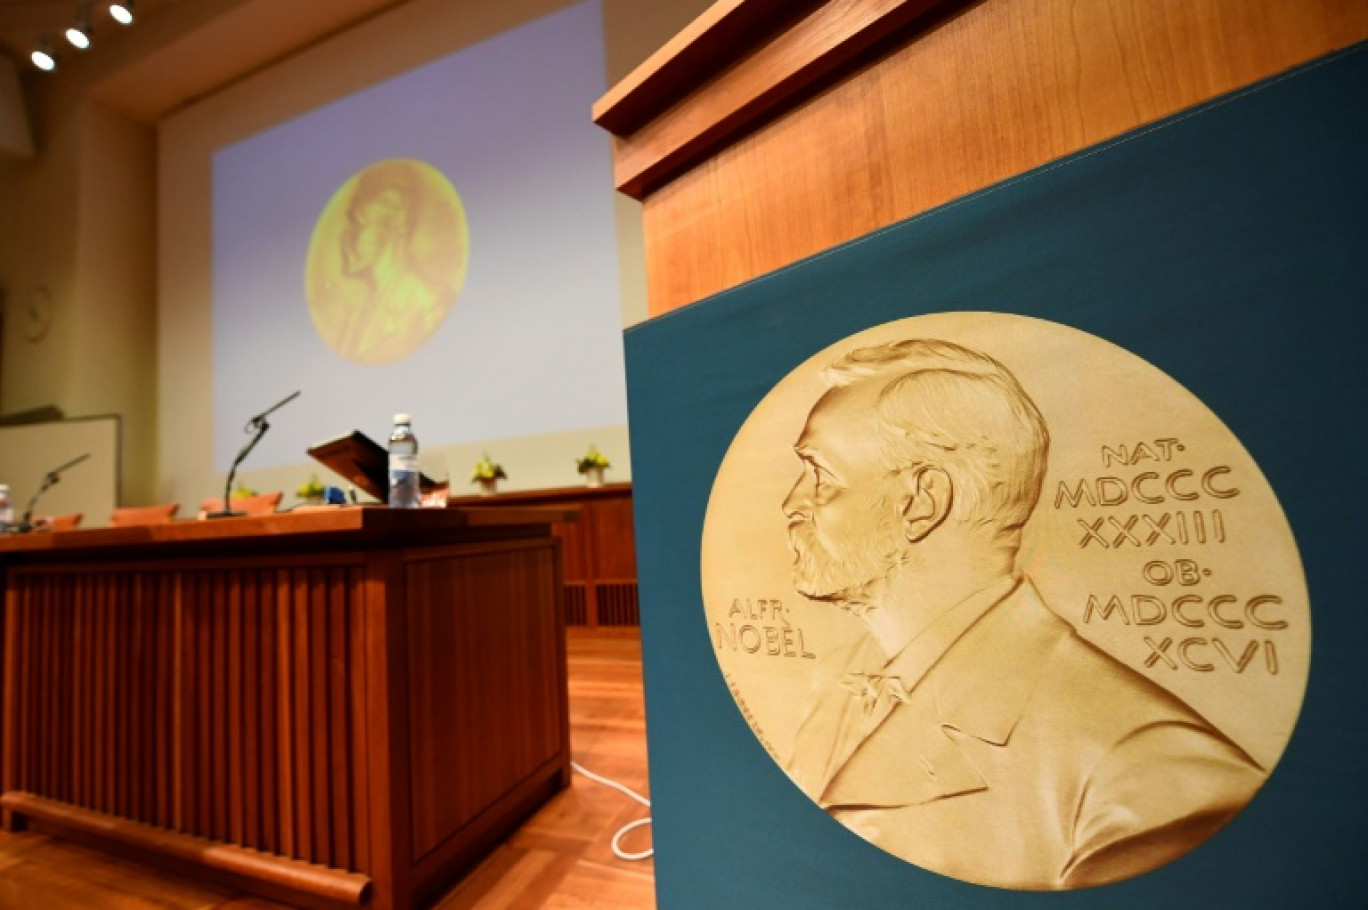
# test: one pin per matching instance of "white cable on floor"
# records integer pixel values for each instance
(632, 826)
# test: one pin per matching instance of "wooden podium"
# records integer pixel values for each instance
(770, 130)
(333, 708)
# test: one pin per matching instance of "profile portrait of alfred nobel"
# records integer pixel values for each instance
(971, 730)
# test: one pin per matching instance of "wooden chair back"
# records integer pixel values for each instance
(261, 504)
(144, 515)
(63, 522)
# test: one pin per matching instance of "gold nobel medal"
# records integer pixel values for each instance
(1006, 601)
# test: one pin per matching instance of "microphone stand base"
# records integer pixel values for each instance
(226, 514)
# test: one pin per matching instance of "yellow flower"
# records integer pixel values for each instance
(486, 469)
(313, 488)
(592, 459)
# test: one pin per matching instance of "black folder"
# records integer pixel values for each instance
(363, 461)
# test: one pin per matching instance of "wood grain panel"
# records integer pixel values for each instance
(358, 685)
(163, 700)
(614, 534)
(576, 549)
(340, 722)
(558, 858)
(958, 104)
(250, 747)
(302, 665)
(94, 722)
(236, 692)
(272, 816)
(618, 604)
(216, 782)
(385, 660)
(576, 603)
(284, 757)
(504, 695)
(599, 546)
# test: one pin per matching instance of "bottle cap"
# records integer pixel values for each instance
(402, 418)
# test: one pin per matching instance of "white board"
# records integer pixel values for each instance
(30, 451)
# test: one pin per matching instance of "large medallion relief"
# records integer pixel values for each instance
(1005, 600)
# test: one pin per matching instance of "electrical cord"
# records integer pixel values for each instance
(631, 826)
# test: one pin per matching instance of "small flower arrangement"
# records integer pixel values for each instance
(592, 459)
(487, 469)
(311, 490)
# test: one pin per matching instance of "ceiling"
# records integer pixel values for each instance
(177, 50)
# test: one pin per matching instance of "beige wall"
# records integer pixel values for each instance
(38, 249)
(114, 314)
(79, 224)
(115, 223)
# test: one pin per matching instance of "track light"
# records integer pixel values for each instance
(79, 35)
(43, 59)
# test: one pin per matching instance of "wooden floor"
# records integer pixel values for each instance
(560, 858)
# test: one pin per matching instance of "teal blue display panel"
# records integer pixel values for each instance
(1228, 247)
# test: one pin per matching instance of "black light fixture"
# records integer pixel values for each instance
(122, 13)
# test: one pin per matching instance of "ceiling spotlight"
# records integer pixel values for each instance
(43, 59)
(122, 13)
(79, 35)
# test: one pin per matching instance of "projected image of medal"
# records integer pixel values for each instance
(387, 261)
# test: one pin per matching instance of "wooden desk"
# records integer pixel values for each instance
(327, 708)
(599, 548)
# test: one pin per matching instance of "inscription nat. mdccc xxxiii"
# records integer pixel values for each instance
(1005, 600)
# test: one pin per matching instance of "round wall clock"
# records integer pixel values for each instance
(37, 314)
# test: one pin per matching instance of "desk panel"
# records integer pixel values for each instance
(328, 715)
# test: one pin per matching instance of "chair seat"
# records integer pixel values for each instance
(59, 522)
(144, 515)
(261, 504)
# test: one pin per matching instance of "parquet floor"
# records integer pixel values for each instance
(559, 859)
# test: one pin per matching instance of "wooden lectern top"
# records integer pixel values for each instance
(769, 131)
(342, 526)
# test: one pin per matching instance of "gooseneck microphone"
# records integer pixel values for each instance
(52, 477)
(257, 426)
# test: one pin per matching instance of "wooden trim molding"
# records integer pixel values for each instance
(651, 145)
(704, 46)
(237, 863)
(754, 143)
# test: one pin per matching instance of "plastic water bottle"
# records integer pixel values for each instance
(6, 508)
(403, 465)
